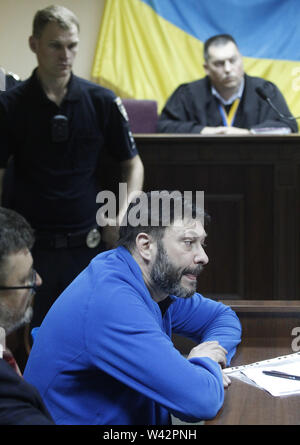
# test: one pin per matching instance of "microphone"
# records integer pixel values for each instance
(263, 96)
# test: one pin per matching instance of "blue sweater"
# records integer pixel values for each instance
(104, 355)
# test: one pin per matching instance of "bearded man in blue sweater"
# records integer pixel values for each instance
(104, 354)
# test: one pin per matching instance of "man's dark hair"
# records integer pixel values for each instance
(15, 235)
(219, 39)
(154, 212)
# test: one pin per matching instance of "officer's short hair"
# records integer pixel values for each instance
(57, 14)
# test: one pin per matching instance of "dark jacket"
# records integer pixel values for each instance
(20, 402)
(11, 81)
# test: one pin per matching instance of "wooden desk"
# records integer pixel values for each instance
(266, 324)
(266, 334)
(252, 193)
(247, 405)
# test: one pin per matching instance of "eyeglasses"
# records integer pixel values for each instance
(33, 284)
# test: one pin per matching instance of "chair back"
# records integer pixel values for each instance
(142, 115)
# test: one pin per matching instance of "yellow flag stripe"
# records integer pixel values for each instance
(141, 55)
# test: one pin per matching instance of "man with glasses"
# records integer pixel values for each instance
(14, 316)
(20, 403)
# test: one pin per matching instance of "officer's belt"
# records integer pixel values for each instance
(89, 238)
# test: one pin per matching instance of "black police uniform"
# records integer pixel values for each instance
(8, 81)
(11, 81)
(56, 152)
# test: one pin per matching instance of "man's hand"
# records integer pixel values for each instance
(213, 130)
(211, 349)
(226, 379)
(224, 130)
(216, 352)
(236, 130)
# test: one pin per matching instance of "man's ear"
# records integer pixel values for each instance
(205, 68)
(145, 246)
(32, 43)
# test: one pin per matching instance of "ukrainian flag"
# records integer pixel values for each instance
(147, 48)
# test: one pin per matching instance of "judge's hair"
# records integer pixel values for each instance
(217, 40)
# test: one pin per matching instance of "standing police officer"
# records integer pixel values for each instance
(56, 126)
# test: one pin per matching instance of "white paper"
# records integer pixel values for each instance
(276, 386)
(273, 130)
(252, 374)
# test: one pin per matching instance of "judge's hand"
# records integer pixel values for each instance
(236, 130)
(224, 130)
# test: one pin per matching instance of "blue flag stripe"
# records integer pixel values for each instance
(262, 28)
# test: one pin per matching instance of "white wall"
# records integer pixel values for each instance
(16, 24)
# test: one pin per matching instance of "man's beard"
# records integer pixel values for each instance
(167, 277)
(10, 321)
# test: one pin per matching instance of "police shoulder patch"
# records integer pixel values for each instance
(121, 108)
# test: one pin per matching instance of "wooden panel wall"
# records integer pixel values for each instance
(252, 193)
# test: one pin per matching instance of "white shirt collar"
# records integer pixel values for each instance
(235, 96)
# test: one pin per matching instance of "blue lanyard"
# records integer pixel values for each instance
(229, 118)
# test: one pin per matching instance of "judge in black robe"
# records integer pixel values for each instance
(226, 100)
(192, 107)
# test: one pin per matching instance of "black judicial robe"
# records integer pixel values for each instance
(192, 107)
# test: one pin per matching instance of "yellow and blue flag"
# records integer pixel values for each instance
(147, 48)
